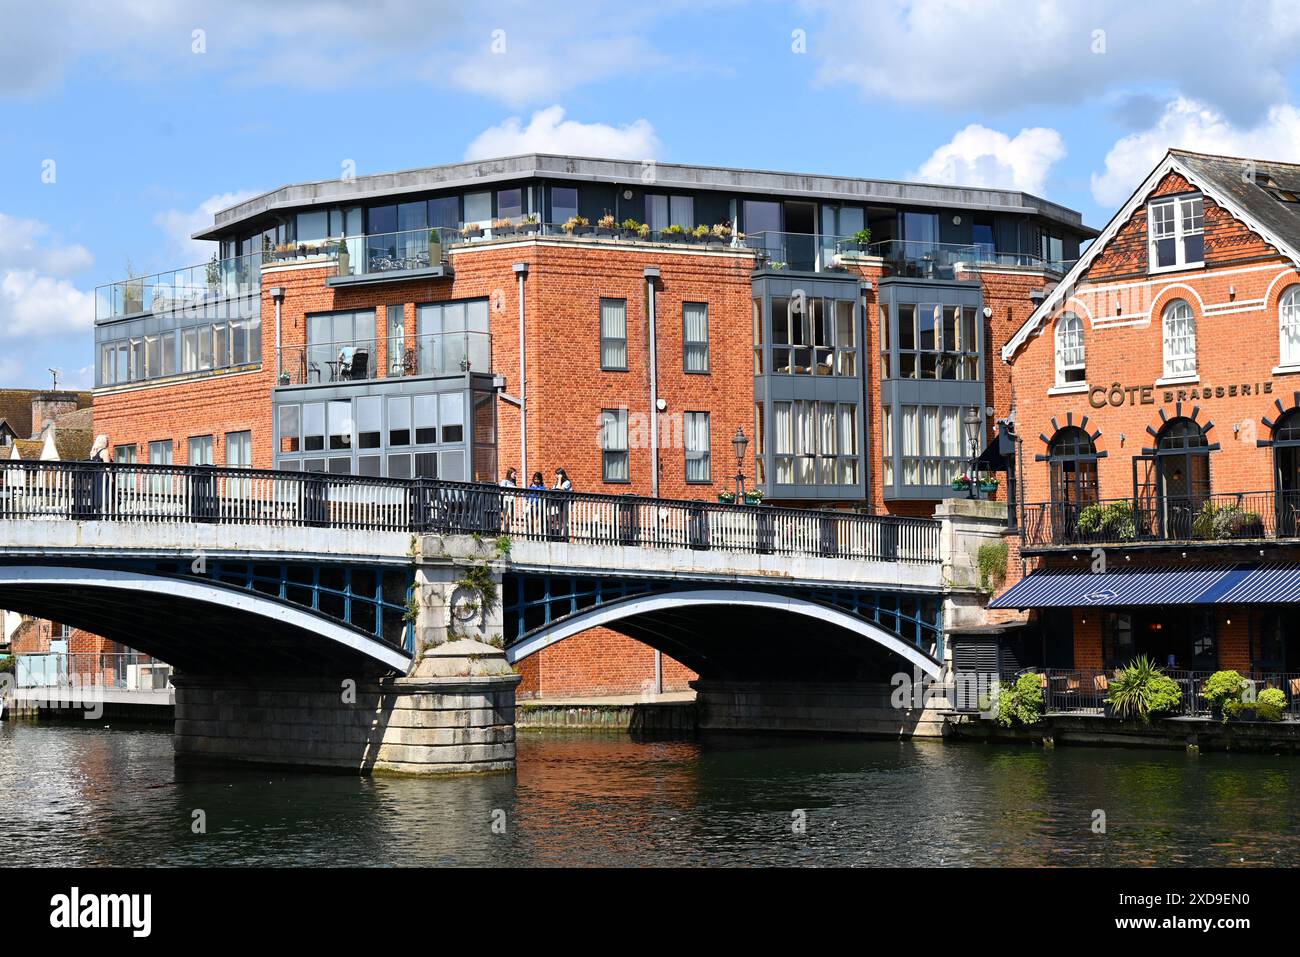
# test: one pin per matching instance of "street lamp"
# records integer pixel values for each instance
(972, 421)
(739, 442)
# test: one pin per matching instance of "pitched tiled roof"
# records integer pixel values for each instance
(29, 448)
(1258, 187)
(16, 410)
(73, 445)
(83, 420)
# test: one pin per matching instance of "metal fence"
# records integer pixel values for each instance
(121, 671)
(89, 491)
(1084, 691)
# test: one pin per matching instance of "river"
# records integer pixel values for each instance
(82, 794)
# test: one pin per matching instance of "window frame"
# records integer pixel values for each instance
(1288, 316)
(1074, 323)
(705, 454)
(1167, 337)
(688, 342)
(609, 452)
(1179, 232)
(600, 318)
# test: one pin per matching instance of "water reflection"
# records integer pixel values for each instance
(80, 794)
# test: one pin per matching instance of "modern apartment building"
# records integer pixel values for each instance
(624, 321)
(1157, 391)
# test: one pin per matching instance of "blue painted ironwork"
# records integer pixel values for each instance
(531, 603)
(372, 599)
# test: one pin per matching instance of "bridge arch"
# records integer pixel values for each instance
(242, 630)
(618, 613)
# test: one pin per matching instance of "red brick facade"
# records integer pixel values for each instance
(1239, 382)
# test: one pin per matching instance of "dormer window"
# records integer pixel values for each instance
(1176, 228)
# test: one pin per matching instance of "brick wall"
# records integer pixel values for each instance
(598, 662)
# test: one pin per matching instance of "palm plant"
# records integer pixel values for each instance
(1142, 690)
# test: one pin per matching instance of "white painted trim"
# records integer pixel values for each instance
(254, 604)
(1169, 164)
(1286, 370)
(614, 611)
(1178, 380)
(1072, 388)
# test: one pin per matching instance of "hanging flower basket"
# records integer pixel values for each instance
(988, 485)
(961, 485)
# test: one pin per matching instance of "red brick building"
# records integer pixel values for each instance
(1156, 392)
(619, 320)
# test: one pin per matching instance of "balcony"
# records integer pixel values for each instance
(926, 260)
(191, 289)
(364, 360)
(1232, 518)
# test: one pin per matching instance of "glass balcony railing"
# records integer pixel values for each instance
(191, 288)
(360, 360)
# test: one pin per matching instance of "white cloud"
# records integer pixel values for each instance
(28, 244)
(1187, 124)
(549, 132)
(986, 54)
(180, 224)
(34, 305)
(979, 156)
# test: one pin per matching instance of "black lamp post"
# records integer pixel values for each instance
(739, 442)
(973, 422)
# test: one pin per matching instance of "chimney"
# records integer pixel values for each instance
(47, 405)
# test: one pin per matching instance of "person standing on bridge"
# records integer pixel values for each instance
(559, 530)
(511, 480)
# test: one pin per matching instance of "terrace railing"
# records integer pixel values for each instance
(1084, 691)
(122, 671)
(88, 491)
(356, 360)
(1221, 517)
(188, 288)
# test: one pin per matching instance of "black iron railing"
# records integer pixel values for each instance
(1220, 517)
(1084, 691)
(91, 491)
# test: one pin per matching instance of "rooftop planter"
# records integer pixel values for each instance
(1219, 522)
(530, 225)
(504, 227)
(673, 234)
(607, 226)
(577, 226)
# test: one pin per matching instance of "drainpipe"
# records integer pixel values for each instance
(277, 293)
(651, 275)
(521, 270)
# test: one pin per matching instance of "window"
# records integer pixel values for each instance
(426, 419)
(938, 341)
(478, 209)
(399, 423)
(698, 459)
(369, 428)
(613, 446)
(453, 337)
(313, 427)
(1176, 229)
(613, 335)
(564, 203)
(815, 443)
(200, 452)
(1180, 340)
(340, 425)
(813, 336)
(1069, 349)
(160, 452)
(125, 454)
(695, 336)
(239, 449)
(931, 444)
(1072, 466)
(339, 344)
(1288, 315)
(510, 203)
(289, 436)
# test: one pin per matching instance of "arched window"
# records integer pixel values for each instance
(1288, 322)
(1072, 463)
(1069, 349)
(1180, 340)
(1286, 473)
(1184, 455)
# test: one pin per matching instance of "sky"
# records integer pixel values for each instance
(126, 125)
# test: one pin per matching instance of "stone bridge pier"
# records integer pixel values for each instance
(453, 712)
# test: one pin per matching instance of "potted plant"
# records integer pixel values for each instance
(1270, 705)
(1109, 523)
(727, 498)
(722, 232)
(435, 247)
(577, 226)
(132, 292)
(607, 225)
(643, 231)
(701, 233)
(284, 378)
(961, 483)
(988, 484)
(673, 234)
(1143, 691)
(1221, 688)
(531, 224)
(860, 240)
(631, 229)
(1020, 703)
(343, 257)
(503, 227)
(471, 231)
(753, 497)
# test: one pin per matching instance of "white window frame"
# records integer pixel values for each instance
(1288, 319)
(1174, 360)
(1071, 352)
(1179, 231)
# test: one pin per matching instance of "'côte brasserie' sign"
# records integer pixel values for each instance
(1099, 397)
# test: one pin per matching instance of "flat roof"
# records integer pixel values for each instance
(667, 176)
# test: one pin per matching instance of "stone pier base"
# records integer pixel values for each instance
(831, 708)
(454, 714)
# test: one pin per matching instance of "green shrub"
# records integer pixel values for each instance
(1222, 687)
(992, 558)
(1022, 703)
(1142, 691)
(1270, 704)
(1114, 522)
(1226, 521)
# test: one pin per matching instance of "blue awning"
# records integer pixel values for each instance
(1207, 585)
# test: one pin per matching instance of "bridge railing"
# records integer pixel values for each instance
(165, 493)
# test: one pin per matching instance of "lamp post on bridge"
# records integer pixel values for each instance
(740, 443)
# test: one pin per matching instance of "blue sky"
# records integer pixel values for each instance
(125, 128)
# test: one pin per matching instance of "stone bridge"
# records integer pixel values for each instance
(372, 623)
